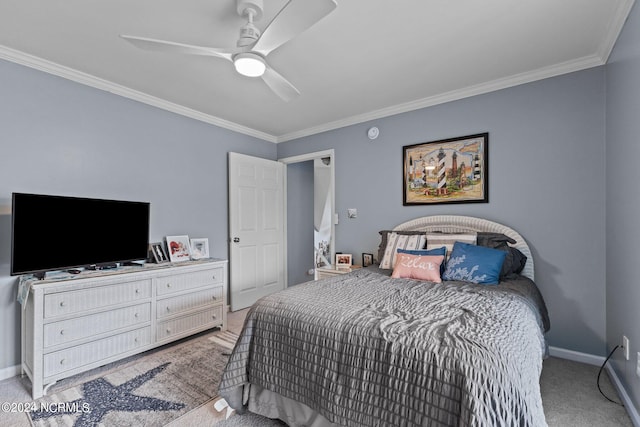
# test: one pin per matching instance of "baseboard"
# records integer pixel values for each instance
(591, 359)
(626, 400)
(9, 372)
(576, 356)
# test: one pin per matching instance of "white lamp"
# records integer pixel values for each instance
(249, 64)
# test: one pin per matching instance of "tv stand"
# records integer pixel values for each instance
(80, 322)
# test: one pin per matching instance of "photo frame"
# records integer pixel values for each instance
(367, 259)
(454, 170)
(158, 253)
(199, 248)
(343, 260)
(179, 248)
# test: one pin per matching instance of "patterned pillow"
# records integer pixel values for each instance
(397, 241)
(421, 267)
(436, 251)
(436, 240)
(385, 236)
(476, 264)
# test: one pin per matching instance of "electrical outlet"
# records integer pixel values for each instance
(638, 365)
(625, 346)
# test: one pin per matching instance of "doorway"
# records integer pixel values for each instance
(311, 239)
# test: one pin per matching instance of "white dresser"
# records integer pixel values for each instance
(81, 322)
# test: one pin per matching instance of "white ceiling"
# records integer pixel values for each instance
(365, 60)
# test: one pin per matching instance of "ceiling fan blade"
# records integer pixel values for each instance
(293, 19)
(173, 47)
(279, 85)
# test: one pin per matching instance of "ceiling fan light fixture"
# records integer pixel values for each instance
(249, 64)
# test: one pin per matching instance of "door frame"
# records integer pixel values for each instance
(332, 186)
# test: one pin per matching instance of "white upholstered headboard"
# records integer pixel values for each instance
(460, 224)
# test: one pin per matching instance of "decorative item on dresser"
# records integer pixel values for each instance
(199, 248)
(158, 253)
(81, 322)
(179, 248)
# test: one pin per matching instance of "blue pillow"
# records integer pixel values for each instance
(476, 264)
(435, 251)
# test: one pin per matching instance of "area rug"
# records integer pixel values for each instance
(153, 390)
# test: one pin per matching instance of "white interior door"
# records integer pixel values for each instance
(256, 229)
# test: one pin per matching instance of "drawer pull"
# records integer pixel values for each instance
(137, 291)
(168, 309)
(213, 297)
(135, 315)
(62, 361)
(61, 331)
(168, 330)
(135, 340)
(61, 303)
(168, 285)
(213, 316)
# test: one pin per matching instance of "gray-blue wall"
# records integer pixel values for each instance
(623, 201)
(300, 255)
(546, 180)
(60, 137)
(561, 156)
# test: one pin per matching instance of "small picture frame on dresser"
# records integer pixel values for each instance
(179, 248)
(158, 253)
(367, 259)
(199, 248)
(343, 260)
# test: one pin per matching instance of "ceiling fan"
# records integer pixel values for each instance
(249, 55)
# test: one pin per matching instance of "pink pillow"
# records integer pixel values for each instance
(421, 267)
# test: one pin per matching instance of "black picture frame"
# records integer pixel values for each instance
(454, 170)
(367, 259)
(158, 252)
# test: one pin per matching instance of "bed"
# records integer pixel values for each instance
(370, 349)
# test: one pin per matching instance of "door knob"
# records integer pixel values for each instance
(236, 240)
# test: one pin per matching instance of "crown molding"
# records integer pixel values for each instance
(515, 80)
(615, 27)
(503, 83)
(49, 67)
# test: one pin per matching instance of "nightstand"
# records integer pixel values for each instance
(330, 271)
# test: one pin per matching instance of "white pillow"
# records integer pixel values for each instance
(397, 241)
(438, 240)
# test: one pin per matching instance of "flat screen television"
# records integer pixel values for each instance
(58, 232)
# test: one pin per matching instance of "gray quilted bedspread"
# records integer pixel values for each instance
(363, 349)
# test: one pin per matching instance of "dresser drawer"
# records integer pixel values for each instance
(198, 321)
(79, 356)
(86, 299)
(170, 306)
(186, 281)
(86, 326)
